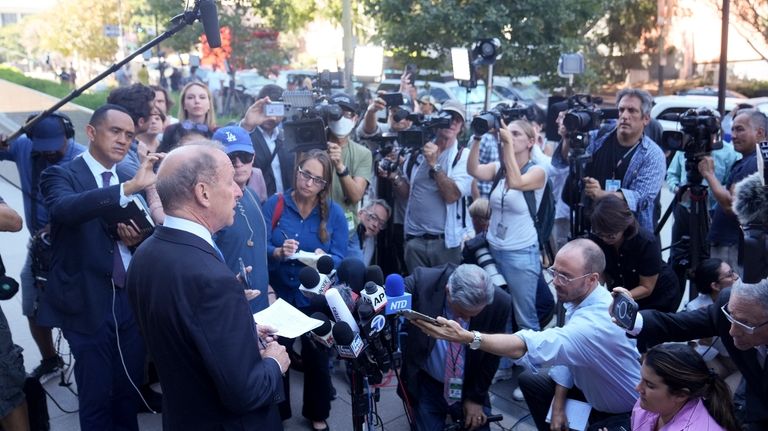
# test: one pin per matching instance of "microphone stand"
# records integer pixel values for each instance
(188, 17)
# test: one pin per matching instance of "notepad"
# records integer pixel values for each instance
(577, 413)
(287, 319)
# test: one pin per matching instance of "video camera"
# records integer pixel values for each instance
(582, 116)
(308, 114)
(699, 134)
(423, 130)
(492, 119)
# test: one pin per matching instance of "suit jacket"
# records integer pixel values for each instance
(79, 288)
(263, 160)
(659, 327)
(427, 285)
(199, 329)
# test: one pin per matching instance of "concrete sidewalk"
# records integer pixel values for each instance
(16, 105)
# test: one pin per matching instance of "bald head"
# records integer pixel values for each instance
(182, 169)
(592, 258)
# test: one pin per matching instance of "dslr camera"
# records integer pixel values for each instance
(423, 130)
(476, 251)
(492, 119)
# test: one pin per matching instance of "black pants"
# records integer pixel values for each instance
(539, 389)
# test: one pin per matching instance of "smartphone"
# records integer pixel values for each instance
(624, 310)
(274, 109)
(392, 99)
(411, 70)
(243, 274)
(415, 315)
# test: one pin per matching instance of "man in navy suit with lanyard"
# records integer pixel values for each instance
(85, 295)
(216, 370)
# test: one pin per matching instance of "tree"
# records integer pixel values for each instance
(754, 15)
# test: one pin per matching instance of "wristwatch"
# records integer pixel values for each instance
(434, 170)
(475, 344)
(344, 173)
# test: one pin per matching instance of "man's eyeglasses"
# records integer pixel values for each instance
(729, 275)
(374, 218)
(562, 279)
(190, 125)
(309, 178)
(244, 157)
(743, 326)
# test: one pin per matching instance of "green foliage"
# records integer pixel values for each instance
(89, 100)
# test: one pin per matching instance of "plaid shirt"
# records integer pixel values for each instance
(489, 152)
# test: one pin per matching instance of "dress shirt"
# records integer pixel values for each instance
(591, 352)
(271, 141)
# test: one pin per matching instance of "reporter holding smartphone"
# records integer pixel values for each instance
(633, 256)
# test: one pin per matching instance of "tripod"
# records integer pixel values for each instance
(577, 163)
(690, 249)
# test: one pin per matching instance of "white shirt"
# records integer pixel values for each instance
(189, 226)
(271, 141)
(511, 227)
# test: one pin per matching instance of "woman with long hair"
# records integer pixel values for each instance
(511, 234)
(678, 392)
(633, 256)
(306, 219)
(196, 115)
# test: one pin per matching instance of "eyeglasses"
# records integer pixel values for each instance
(190, 125)
(244, 157)
(562, 279)
(607, 236)
(730, 274)
(310, 179)
(374, 218)
(743, 326)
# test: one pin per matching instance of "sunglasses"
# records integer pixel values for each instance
(190, 125)
(310, 179)
(244, 157)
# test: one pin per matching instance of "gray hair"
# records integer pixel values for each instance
(645, 97)
(757, 292)
(177, 188)
(594, 258)
(381, 202)
(756, 119)
(470, 286)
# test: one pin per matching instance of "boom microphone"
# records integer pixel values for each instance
(210, 20)
(751, 207)
(348, 342)
(324, 333)
(397, 298)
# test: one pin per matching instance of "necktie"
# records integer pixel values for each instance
(118, 270)
(219, 254)
(454, 369)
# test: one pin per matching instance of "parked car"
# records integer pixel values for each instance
(666, 106)
(250, 82)
(709, 91)
(525, 92)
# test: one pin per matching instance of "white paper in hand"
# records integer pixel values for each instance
(289, 322)
(306, 257)
(577, 413)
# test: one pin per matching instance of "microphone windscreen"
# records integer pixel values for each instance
(395, 285)
(346, 295)
(308, 277)
(751, 201)
(210, 19)
(375, 274)
(364, 310)
(325, 264)
(371, 287)
(343, 334)
(325, 327)
(351, 272)
(317, 302)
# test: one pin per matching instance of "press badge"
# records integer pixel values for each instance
(454, 388)
(612, 185)
(501, 231)
(350, 216)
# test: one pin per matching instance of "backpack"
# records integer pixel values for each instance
(543, 218)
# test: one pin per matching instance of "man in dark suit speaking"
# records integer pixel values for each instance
(192, 310)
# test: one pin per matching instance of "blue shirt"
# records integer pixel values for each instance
(591, 352)
(489, 152)
(724, 159)
(20, 152)
(725, 229)
(284, 274)
(234, 240)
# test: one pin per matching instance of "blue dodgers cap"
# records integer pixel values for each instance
(234, 138)
(48, 134)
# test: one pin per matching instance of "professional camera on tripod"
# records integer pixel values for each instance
(698, 138)
(308, 115)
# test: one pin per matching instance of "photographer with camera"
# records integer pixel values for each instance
(434, 186)
(749, 128)
(511, 233)
(51, 142)
(624, 161)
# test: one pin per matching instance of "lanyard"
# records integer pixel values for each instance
(621, 160)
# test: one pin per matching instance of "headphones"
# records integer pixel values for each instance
(69, 128)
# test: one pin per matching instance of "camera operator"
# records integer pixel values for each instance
(749, 128)
(353, 166)
(434, 187)
(51, 142)
(271, 156)
(625, 162)
(13, 406)
(438, 374)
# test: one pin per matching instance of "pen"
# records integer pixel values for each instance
(284, 234)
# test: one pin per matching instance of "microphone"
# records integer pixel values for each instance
(312, 282)
(325, 266)
(339, 309)
(348, 342)
(210, 20)
(351, 272)
(323, 333)
(751, 201)
(373, 329)
(375, 274)
(374, 295)
(397, 298)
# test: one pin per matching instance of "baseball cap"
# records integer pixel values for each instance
(429, 100)
(48, 134)
(234, 138)
(454, 106)
(345, 101)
